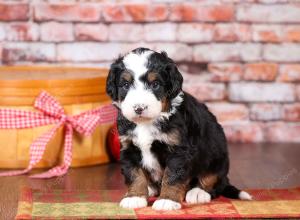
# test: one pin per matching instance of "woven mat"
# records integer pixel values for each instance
(103, 204)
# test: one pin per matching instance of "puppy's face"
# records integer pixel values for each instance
(142, 84)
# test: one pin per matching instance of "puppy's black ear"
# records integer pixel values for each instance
(112, 79)
(175, 79)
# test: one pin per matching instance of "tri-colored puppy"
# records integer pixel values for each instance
(172, 146)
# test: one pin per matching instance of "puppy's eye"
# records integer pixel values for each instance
(155, 85)
(126, 86)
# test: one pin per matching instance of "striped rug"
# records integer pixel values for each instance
(103, 204)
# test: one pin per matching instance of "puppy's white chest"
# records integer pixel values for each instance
(143, 137)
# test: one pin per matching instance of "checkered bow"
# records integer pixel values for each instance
(51, 112)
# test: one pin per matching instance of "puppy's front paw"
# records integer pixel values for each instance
(197, 195)
(133, 202)
(166, 204)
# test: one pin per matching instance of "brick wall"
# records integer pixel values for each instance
(240, 56)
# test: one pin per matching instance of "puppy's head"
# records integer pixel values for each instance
(143, 83)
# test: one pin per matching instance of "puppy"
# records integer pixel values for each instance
(172, 145)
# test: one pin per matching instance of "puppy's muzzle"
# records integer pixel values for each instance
(139, 108)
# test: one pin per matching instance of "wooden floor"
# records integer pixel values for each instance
(252, 166)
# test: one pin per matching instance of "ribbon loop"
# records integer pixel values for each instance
(49, 105)
(52, 112)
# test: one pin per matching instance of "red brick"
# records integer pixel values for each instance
(34, 52)
(244, 132)
(276, 33)
(91, 32)
(183, 12)
(14, 11)
(261, 92)
(204, 91)
(195, 32)
(178, 52)
(266, 112)
(287, 52)
(160, 32)
(292, 33)
(83, 12)
(229, 112)
(282, 132)
(267, 33)
(22, 32)
(232, 32)
(292, 112)
(280, 13)
(199, 12)
(289, 73)
(147, 12)
(115, 13)
(137, 12)
(56, 32)
(225, 72)
(158, 13)
(227, 52)
(261, 71)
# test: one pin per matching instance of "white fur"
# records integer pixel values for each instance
(166, 204)
(197, 195)
(137, 63)
(143, 136)
(245, 196)
(133, 202)
(152, 191)
(176, 102)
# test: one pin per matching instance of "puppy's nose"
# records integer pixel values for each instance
(139, 109)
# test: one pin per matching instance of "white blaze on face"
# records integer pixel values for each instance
(138, 94)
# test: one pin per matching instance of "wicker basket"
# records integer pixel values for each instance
(77, 89)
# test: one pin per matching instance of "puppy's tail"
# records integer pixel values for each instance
(232, 192)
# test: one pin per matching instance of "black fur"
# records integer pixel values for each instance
(202, 149)
(112, 80)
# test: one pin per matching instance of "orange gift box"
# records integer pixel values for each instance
(76, 89)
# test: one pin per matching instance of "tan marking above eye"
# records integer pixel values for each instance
(127, 76)
(152, 76)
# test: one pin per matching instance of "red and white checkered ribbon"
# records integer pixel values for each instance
(51, 112)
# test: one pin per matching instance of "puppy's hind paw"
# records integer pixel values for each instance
(133, 202)
(245, 196)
